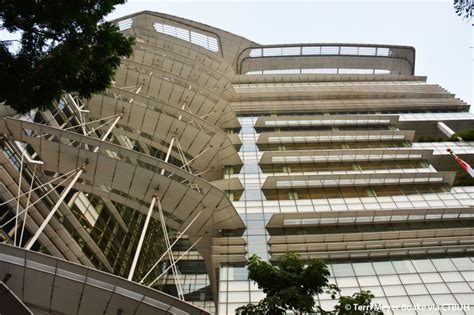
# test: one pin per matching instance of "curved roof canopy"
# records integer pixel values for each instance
(129, 177)
(155, 123)
(48, 283)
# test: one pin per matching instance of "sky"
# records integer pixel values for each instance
(443, 41)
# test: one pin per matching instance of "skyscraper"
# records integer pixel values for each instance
(220, 148)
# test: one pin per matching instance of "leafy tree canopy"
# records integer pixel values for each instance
(357, 304)
(292, 284)
(464, 8)
(65, 46)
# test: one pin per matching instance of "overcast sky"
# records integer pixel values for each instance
(443, 41)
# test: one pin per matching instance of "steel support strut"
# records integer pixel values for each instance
(68, 188)
(170, 252)
(166, 252)
(142, 237)
(55, 208)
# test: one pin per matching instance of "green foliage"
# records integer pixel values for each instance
(357, 304)
(65, 46)
(464, 8)
(291, 284)
(466, 135)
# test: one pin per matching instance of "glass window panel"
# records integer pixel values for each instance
(431, 277)
(388, 280)
(368, 281)
(424, 265)
(384, 267)
(463, 263)
(436, 288)
(238, 296)
(250, 169)
(404, 266)
(413, 278)
(459, 287)
(363, 269)
(238, 285)
(223, 297)
(413, 289)
(468, 275)
(465, 299)
(441, 299)
(237, 273)
(252, 194)
(257, 239)
(223, 273)
(392, 290)
(443, 264)
(347, 282)
(223, 286)
(422, 300)
(342, 270)
(452, 276)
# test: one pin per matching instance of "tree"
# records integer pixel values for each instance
(292, 284)
(464, 8)
(64, 47)
(357, 304)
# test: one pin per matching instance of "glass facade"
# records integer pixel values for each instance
(403, 282)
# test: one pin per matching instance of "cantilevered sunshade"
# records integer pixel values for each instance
(335, 136)
(129, 177)
(341, 180)
(175, 92)
(325, 120)
(155, 123)
(349, 155)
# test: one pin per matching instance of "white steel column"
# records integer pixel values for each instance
(448, 132)
(179, 258)
(168, 153)
(18, 201)
(55, 208)
(142, 237)
(27, 205)
(166, 252)
(112, 126)
(170, 252)
(39, 199)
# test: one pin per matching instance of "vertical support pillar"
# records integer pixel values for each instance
(142, 237)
